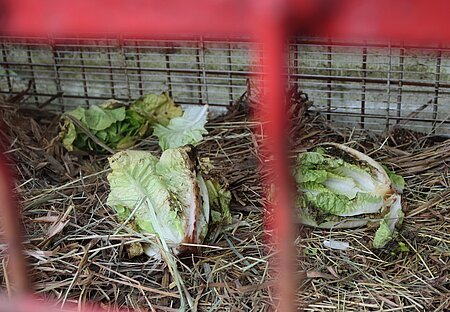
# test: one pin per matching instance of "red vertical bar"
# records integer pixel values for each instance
(275, 126)
(12, 227)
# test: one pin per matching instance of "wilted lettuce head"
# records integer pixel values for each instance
(341, 187)
(160, 196)
(167, 197)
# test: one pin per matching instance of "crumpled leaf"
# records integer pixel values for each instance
(79, 113)
(157, 109)
(386, 231)
(70, 135)
(188, 129)
(382, 235)
(219, 199)
(97, 118)
(397, 181)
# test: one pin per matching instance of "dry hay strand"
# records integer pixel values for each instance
(75, 257)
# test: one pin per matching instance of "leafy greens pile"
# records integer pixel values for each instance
(349, 191)
(114, 125)
(167, 197)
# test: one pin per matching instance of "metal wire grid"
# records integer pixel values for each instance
(192, 72)
(365, 86)
(376, 86)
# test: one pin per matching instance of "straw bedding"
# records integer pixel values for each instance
(74, 255)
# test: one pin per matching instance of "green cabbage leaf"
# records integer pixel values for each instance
(117, 128)
(114, 125)
(188, 129)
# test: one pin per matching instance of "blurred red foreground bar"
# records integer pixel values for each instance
(415, 20)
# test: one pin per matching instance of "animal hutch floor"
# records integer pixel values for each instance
(74, 256)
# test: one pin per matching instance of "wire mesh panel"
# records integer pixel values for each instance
(359, 85)
(88, 72)
(375, 86)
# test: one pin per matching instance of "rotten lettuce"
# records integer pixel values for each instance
(157, 109)
(167, 197)
(343, 188)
